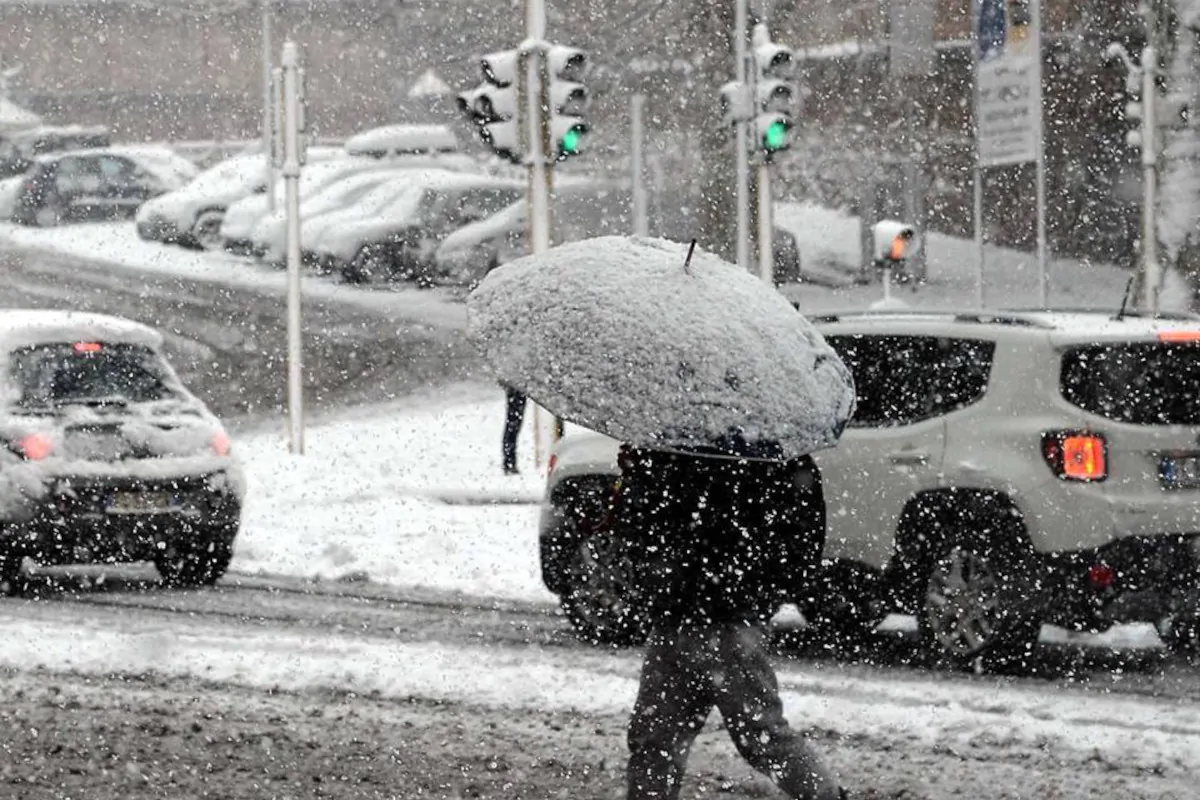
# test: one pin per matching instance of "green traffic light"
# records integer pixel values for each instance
(572, 141)
(775, 137)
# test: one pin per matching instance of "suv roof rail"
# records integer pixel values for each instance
(976, 317)
(1180, 316)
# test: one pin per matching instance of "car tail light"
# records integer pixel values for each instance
(1076, 455)
(88, 347)
(1179, 337)
(221, 443)
(36, 447)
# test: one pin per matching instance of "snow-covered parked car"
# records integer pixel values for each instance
(398, 239)
(402, 139)
(1002, 470)
(192, 215)
(108, 456)
(269, 240)
(93, 184)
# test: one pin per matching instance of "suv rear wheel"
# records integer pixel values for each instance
(206, 232)
(599, 598)
(972, 607)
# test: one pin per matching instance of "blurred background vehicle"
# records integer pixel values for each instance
(399, 241)
(269, 239)
(192, 215)
(84, 185)
(18, 149)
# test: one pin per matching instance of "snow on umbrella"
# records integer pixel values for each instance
(618, 335)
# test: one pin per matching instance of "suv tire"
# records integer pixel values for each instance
(368, 265)
(206, 232)
(972, 608)
(1180, 632)
(599, 598)
(12, 575)
(202, 563)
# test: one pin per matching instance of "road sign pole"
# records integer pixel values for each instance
(766, 226)
(637, 106)
(742, 154)
(1151, 268)
(268, 113)
(1035, 21)
(291, 177)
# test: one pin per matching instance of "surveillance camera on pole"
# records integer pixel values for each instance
(494, 104)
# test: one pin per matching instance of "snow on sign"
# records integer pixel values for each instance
(1007, 108)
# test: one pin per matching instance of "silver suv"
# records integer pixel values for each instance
(1002, 470)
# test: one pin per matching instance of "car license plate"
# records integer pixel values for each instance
(1181, 472)
(140, 503)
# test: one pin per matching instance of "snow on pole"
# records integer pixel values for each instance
(637, 106)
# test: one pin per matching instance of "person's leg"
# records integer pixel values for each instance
(748, 698)
(673, 701)
(514, 416)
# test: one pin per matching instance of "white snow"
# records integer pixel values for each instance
(615, 334)
(959, 714)
(406, 496)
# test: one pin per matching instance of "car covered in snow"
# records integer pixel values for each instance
(192, 215)
(107, 456)
(402, 140)
(1002, 470)
(397, 239)
(95, 184)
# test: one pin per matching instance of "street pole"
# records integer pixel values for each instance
(740, 144)
(766, 226)
(291, 176)
(267, 119)
(1035, 19)
(1151, 268)
(641, 225)
(978, 221)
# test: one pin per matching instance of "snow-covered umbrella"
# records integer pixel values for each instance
(659, 347)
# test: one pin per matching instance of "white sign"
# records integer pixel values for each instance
(1008, 109)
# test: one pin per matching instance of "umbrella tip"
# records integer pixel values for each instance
(687, 262)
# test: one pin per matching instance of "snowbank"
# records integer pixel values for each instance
(405, 496)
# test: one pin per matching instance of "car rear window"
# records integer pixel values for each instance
(1141, 383)
(88, 372)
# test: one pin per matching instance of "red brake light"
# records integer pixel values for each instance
(1179, 337)
(552, 464)
(1076, 455)
(36, 447)
(87, 347)
(221, 443)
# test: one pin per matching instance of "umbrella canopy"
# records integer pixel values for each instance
(615, 334)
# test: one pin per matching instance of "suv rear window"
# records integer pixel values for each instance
(1141, 383)
(900, 380)
(88, 372)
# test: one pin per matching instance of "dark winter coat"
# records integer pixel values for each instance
(718, 539)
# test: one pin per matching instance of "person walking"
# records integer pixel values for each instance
(719, 543)
(514, 418)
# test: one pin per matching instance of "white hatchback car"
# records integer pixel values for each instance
(1002, 470)
(106, 456)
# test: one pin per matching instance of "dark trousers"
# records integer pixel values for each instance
(514, 417)
(684, 675)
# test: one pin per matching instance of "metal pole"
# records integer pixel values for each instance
(267, 120)
(766, 226)
(742, 155)
(291, 177)
(1151, 268)
(978, 221)
(887, 287)
(1035, 19)
(641, 225)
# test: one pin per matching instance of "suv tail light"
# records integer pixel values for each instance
(1076, 455)
(35, 447)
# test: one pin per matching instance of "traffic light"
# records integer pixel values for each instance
(775, 94)
(492, 105)
(568, 98)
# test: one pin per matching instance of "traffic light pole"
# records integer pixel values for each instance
(1151, 268)
(268, 112)
(291, 178)
(740, 33)
(766, 226)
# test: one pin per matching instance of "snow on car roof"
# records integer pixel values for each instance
(403, 139)
(24, 327)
